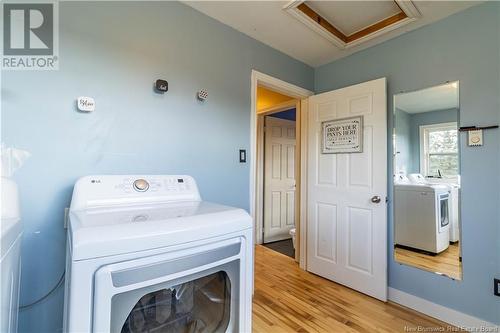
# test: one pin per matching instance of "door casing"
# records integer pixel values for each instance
(256, 161)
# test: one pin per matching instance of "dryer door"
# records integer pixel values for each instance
(193, 290)
(443, 212)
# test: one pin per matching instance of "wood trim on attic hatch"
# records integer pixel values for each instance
(317, 18)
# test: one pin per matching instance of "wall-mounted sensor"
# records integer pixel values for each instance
(476, 138)
(85, 104)
(161, 86)
(202, 95)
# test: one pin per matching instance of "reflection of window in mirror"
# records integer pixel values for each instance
(439, 150)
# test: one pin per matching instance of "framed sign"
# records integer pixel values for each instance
(342, 135)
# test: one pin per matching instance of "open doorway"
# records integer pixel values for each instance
(341, 221)
(342, 183)
(278, 114)
(276, 168)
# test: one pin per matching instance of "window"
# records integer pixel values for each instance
(439, 150)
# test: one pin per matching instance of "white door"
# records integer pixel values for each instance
(346, 195)
(279, 178)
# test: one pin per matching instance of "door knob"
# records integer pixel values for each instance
(376, 199)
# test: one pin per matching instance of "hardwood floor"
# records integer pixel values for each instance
(446, 263)
(288, 299)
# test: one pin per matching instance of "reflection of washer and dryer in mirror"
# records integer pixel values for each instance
(425, 213)
(427, 180)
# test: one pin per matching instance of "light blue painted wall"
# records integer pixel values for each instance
(113, 52)
(498, 154)
(465, 47)
(402, 126)
(426, 118)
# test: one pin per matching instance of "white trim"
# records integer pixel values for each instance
(423, 148)
(258, 78)
(291, 8)
(279, 85)
(437, 311)
(382, 31)
(287, 105)
(304, 111)
(407, 6)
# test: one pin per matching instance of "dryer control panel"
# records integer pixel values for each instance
(105, 190)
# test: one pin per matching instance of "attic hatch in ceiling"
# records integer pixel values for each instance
(350, 23)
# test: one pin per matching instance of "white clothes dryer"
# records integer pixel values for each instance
(422, 216)
(145, 254)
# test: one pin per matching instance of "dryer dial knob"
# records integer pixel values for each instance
(141, 185)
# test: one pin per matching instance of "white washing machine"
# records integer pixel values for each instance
(145, 254)
(10, 244)
(421, 216)
(454, 200)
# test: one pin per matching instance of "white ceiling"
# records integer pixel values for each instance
(431, 99)
(267, 22)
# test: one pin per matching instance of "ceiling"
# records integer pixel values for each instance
(269, 23)
(267, 98)
(441, 97)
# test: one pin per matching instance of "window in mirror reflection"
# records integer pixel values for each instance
(439, 149)
(427, 180)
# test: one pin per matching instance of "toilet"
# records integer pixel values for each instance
(292, 233)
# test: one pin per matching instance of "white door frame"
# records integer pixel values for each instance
(256, 192)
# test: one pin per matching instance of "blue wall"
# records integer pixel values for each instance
(288, 114)
(113, 52)
(402, 126)
(465, 47)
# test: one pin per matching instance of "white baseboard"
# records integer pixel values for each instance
(437, 311)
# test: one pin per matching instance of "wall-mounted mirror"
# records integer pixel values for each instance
(427, 180)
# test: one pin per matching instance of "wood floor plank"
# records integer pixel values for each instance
(288, 299)
(447, 262)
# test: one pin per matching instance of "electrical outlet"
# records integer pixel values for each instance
(66, 217)
(243, 155)
(496, 288)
